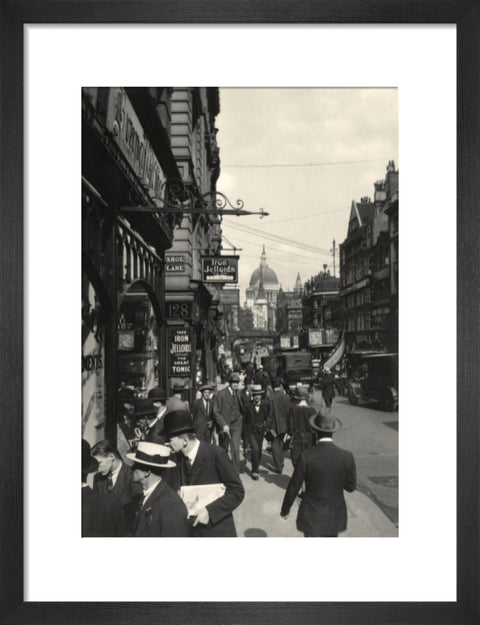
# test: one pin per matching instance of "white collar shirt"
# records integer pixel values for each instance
(192, 454)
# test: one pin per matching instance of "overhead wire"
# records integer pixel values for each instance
(323, 164)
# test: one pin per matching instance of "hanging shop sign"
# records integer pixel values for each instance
(230, 297)
(179, 310)
(174, 263)
(220, 269)
(315, 337)
(180, 352)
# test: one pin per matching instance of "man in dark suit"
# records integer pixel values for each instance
(327, 386)
(114, 477)
(327, 471)
(201, 463)
(227, 412)
(257, 420)
(281, 415)
(154, 428)
(302, 435)
(102, 515)
(161, 512)
(202, 413)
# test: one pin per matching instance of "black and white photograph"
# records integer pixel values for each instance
(240, 292)
(212, 221)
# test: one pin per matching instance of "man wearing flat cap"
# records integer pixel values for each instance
(228, 415)
(202, 413)
(175, 401)
(200, 464)
(327, 471)
(161, 513)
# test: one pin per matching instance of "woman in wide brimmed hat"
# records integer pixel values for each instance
(327, 471)
(162, 512)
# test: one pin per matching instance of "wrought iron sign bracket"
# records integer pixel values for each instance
(177, 198)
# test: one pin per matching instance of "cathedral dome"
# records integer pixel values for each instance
(263, 274)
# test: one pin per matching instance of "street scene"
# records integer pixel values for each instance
(240, 312)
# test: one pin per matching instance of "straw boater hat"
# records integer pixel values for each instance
(152, 455)
(325, 423)
(177, 422)
(157, 394)
(257, 389)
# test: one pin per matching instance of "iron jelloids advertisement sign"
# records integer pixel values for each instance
(220, 269)
(180, 352)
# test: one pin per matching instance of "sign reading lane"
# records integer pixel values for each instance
(220, 269)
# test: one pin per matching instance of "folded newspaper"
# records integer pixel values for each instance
(197, 497)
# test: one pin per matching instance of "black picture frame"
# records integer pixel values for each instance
(14, 14)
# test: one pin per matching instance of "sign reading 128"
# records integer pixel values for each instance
(179, 310)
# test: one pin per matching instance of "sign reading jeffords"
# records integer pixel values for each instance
(220, 269)
(180, 352)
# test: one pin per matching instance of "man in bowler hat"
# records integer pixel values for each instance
(327, 471)
(161, 512)
(201, 463)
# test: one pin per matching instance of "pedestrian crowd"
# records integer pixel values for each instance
(175, 468)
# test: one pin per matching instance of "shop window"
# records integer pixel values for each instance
(137, 346)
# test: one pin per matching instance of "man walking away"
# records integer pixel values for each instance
(327, 471)
(281, 415)
(302, 435)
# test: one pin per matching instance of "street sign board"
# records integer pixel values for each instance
(180, 352)
(174, 263)
(230, 297)
(220, 269)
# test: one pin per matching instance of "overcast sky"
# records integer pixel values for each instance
(302, 155)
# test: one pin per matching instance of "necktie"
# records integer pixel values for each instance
(188, 469)
(207, 406)
(109, 483)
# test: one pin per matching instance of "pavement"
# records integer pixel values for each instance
(259, 513)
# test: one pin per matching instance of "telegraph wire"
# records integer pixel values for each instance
(324, 164)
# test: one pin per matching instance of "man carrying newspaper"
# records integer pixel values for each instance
(210, 486)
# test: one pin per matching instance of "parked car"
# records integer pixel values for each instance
(378, 382)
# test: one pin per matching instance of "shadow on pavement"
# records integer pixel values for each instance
(255, 532)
